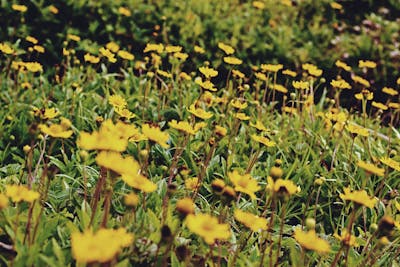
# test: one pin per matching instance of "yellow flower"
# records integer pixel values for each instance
(366, 64)
(208, 85)
(394, 105)
(53, 9)
(208, 72)
(102, 246)
(109, 137)
(19, 193)
(282, 187)
(300, 85)
(112, 46)
(254, 222)
(238, 73)
(181, 56)
(371, 168)
(154, 47)
(191, 183)
(263, 140)
(124, 11)
(261, 76)
(226, 48)
(125, 113)
(233, 60)
(279, 88)
(117, 101)
(173, 48)
(259, 126)
(73, 37)
(38, 48)
(56, 130)
(244, 183)
(336, 5)
(125, 55)
(185, 76)
(289, 73)
(33, 66)
(360, 80)
(92, 59)
(183, 126)
(220, 131)
(140, 182)
(242, 116)
(31, 39)
(271, 67)
(198, 126)
(131, 199)
(207, 227)
(49, 113)
(357, 130)
(199, 49)
(398, 81)
(347, 238)
(360, 197)
(340, 84)
(379, 105)
(309, 240)
(108, 54)
(258, 4)
(389, 91)
(365, 94)
(343, 65)
(312, 69)
(185, 206)
(164, 74)
(391, 163)
(3, 201)
(6, 49)
(20, 8)
(116, 162)
(238, 103)
(154, 133)
(199, 112)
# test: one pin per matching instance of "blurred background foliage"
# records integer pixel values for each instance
(287, 32)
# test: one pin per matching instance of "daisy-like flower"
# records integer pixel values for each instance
(357, 130)
(254, 222)
(391, 163)
(154, 133)
(183, 126)
(281, 187)
(57, 130)
(90, 58)
(108, 54)
(279, 88)
(73, 37)
(208, 227)
(261, 76)
(185, 206)
(164, 74)
(259, 126)
(199, 112)
(131, 199)
(244, 183)
(3, 201)
(139, 182)
(379, 105)
(191, 183)
(347, 238)
(159, 48)
(389, 91)
(112, 46)
(125, 55)
(263, 140)
(238, 73)
(359, 197)
(371, 168)
(300, 85)
(365, 94)
(173, 48)
(207, 85)
(310, 241)
(6, 49)
(124, 11)
(242, 116)
(271, 67)
(343, 65)
(19, 8)
(258, 4)
(233, 60)
(102, 246)
(226, 48)
(340, 84)
(237, 103)
(289, 73)
(360, 80)
(125, 113)
(220, 131)
(199, 49)
(208, 72)
(19, 193)
(366, 64)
